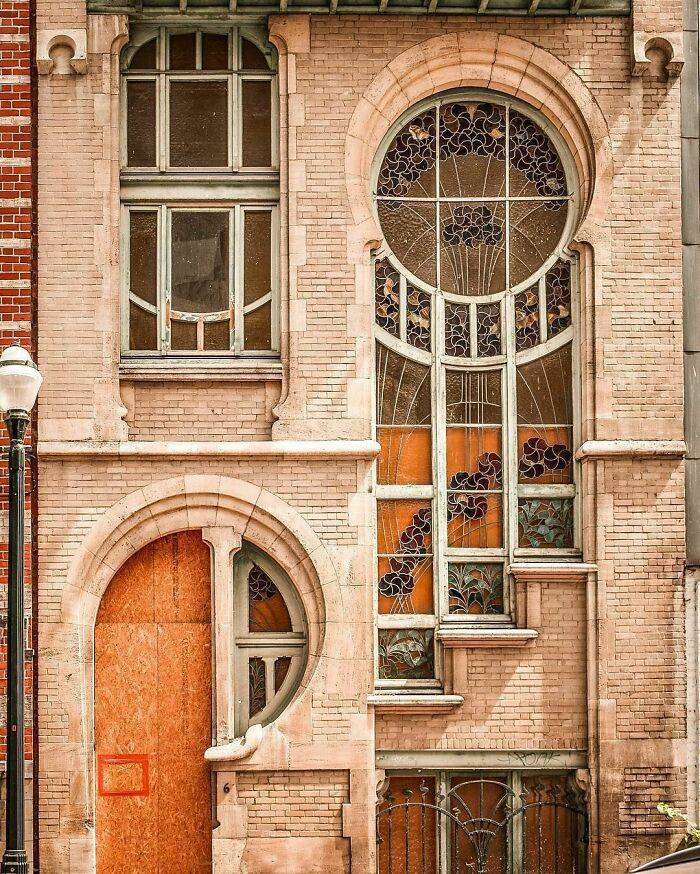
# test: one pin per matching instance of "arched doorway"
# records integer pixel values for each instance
(153, 692)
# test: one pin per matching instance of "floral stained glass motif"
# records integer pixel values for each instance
(417, 318)
(457, 330)
(405, 572)
(386, 297)
(475, 589)
(473, 248)
(406, 654)
(256, 686)
(477, 235)
(558, 287)
(267, 610)
(536, 169)
(546, 523)
(472, 150)
(403, 419)
(474, 459)
(527, 318)
(545, 423)
(408, 169)
(488, 329)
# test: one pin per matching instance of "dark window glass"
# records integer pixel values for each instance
(145, 57)
(183, 336)
(257, 123)
(141, 124)
(198, 124)
(217, 336)
(215, 51)
(251, 57)
(257, 281)
(143, 329)
(143, 277)
(183, 51)
(200, 262)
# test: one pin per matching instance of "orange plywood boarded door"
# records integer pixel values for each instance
(153, 671)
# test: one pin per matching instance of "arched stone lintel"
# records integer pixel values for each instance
(495, 61)
(199, 501)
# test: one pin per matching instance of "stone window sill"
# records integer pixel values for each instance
(469, 637)
(200, 369)
(413, 702)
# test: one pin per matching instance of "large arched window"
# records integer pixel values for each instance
(199, 187)
(270, 638)
(475, 326)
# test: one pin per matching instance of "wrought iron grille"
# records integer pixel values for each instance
(482, 826)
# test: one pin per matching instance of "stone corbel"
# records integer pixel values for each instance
(239, 749)
(61, 52)
(660, 54)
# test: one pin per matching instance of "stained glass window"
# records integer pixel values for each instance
(475, 413)
(200, 267)
(271, 638)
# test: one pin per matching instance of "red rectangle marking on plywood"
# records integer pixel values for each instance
(128, 775)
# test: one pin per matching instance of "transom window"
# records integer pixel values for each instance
(270, 636)
(200, 188)
(475, 414)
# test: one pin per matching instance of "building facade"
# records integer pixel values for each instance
(360, 519)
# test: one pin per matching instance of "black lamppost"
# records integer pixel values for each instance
(19, 387)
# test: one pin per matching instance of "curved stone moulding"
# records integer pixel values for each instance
(61, 52)
(494, 61)
(240, 748)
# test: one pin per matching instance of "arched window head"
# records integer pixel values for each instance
(475, 315)
(271, 638)
(200, 187)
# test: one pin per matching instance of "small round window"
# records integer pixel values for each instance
(271, 638)
(472, 196)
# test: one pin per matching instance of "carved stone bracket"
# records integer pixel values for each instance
(660, 54)
(61, 52)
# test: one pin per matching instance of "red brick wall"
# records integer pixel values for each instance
(16, 270)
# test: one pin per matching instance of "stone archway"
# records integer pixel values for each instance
(214, 505)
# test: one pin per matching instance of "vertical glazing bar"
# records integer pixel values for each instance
(407, 866)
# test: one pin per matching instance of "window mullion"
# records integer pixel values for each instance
(164, 278)
(440, 462)
(236, 274)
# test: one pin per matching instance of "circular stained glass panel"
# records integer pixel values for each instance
(472, 197)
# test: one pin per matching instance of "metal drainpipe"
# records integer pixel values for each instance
(690, 174)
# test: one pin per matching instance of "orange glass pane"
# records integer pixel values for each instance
(544, 455)
(405, 456)
(405, 584)
(474, 451)
(474, 521)
(267, 610)
(406, 827)
(403, 526)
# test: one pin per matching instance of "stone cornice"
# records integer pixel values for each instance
(150, 449)
(595, 449)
